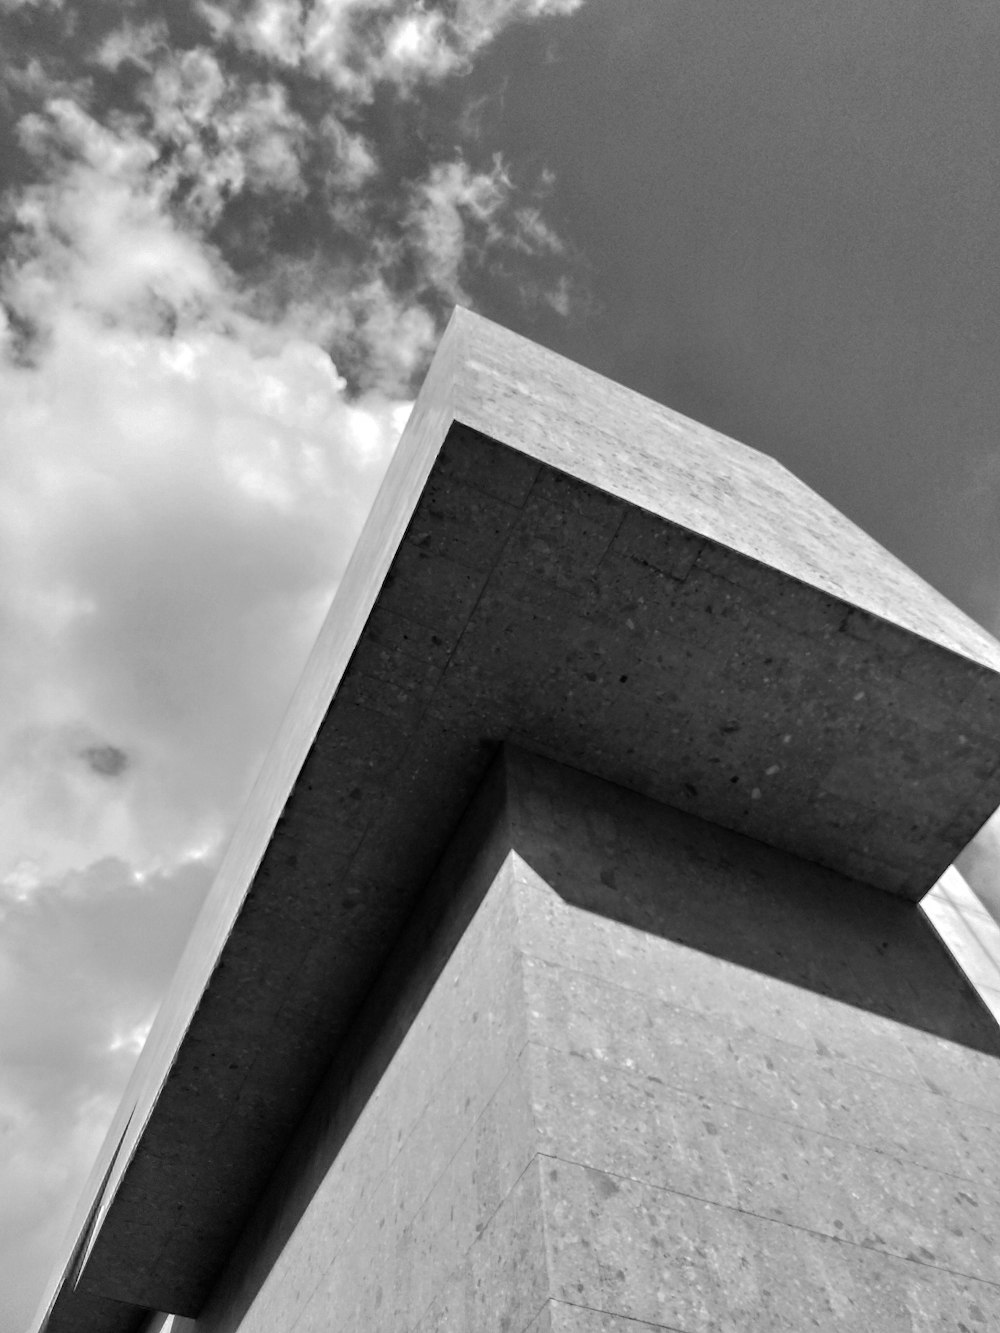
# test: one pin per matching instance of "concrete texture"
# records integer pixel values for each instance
(725, 1149)
(569, 1118)
(555, 561)
(558, 1317)
(971, 933)
(434, 1167)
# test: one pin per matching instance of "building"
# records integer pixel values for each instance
(565, 971)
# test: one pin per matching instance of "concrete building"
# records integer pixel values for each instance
(565, 971)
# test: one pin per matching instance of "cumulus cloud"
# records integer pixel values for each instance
(84, 962)
(183, 483)
(357, 44)
(180, 487)
(136, 42)
(270, 28)
(212, 313)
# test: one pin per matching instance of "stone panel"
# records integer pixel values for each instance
(633, 1125)
(559, 563)
(428, 1162)
(669, 875)
(735, 1146)
(625, 1247)
(559, 1317)
(615, 1109)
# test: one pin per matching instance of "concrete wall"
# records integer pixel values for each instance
(417, 1172)
(970, 931)
(666, 1078)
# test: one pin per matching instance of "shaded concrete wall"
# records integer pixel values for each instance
(411, 1165)
(645, 1073)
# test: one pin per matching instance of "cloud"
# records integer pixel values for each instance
(270, 28)
(214, 306)
(355, 45)
(107, 760)
(223, 135)
(11, 5)
(185, 472)
(461, 222)
(94, 238)
(353, 160)
(135, 42)
(450, 206)
(83, 963)
(182, 485)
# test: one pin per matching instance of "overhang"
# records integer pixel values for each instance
(556, 561)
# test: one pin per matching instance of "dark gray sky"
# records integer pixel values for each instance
(787, 217)
(779, 219)
(232, 231)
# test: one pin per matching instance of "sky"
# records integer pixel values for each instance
(231, 235)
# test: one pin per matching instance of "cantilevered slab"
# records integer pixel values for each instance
(556, 561)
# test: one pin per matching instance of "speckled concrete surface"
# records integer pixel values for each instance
(591, 1123)
(433, 1193)
(558, 562)
(668, 465)
(622, 1246)
(560, 1317)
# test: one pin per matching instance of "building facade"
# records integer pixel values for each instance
(566, 970)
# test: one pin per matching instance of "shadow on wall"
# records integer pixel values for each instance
(622, 856)
(604, 849)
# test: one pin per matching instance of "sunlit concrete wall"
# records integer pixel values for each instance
(647, 1073)
(169, 1323)
(970, 932)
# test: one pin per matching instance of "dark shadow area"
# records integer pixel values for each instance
(612, 852)
(660, 870)
(430, 934)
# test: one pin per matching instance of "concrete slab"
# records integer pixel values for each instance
(695, 1111)
(698, 1144)
(560, 562)
(622, 1246)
